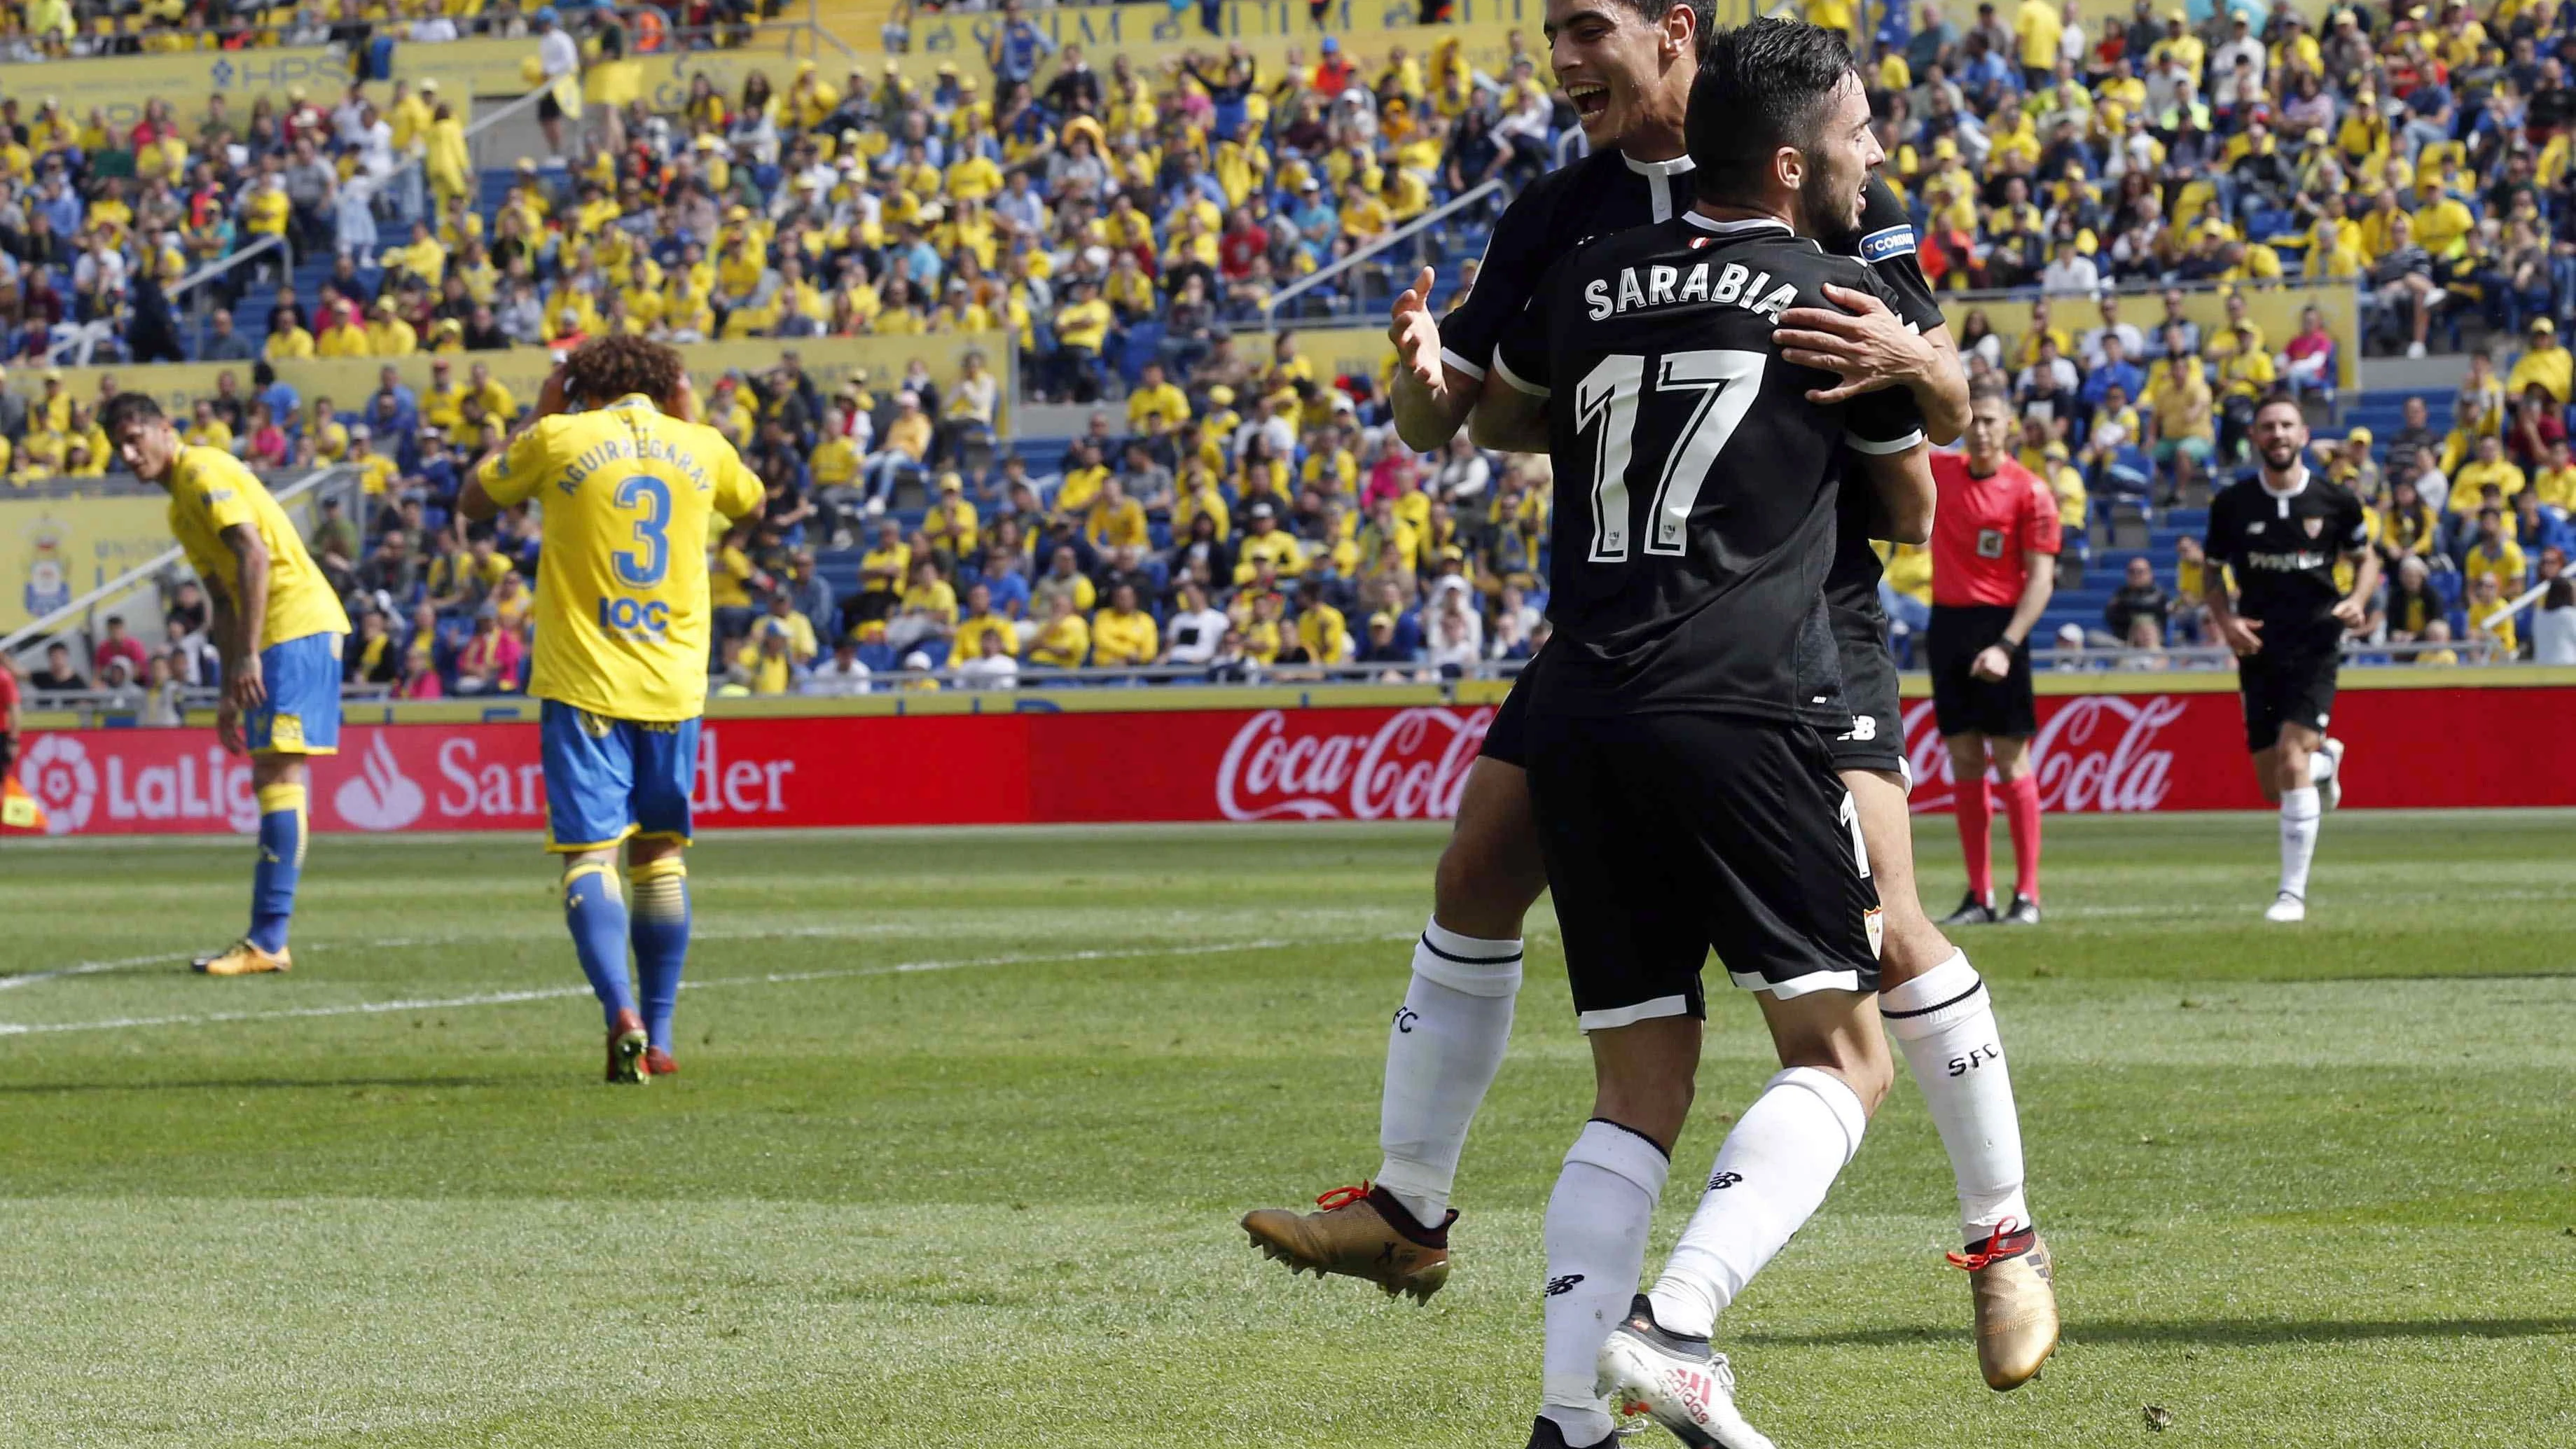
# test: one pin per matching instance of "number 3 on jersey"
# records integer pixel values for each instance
(1726, 383)
(651, 559)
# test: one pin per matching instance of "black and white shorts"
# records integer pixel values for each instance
(2287, 682)
(1963, 703)
(1875, 738)
(1669, 834)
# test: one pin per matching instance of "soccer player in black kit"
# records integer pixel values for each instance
(1628, 65)
(1682, 799)
(2283, 535)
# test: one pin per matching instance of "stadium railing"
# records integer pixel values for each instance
(200, 317)
(1404, 233)
(79, 617)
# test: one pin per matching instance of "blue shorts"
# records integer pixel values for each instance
(607, 779)
(302, 714)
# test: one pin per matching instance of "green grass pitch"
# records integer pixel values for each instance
(966, 1119)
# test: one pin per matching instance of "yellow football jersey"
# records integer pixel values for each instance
(623, 620)
(211, 491)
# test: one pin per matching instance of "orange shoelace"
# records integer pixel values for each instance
(1343, 1196)
(1976, 1258)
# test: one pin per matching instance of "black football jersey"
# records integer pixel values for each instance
(2283, 548)
(1886, 242)
(1695, 483)
(1606, 193)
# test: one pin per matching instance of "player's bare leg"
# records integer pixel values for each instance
(1939, 1011)
(1443, 1049)
(278, 782)
(2287, 773)
(1772, 1173)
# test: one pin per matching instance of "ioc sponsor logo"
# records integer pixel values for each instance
(1412, 767)
(2097, 753)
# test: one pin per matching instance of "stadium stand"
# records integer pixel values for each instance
(2148, 225)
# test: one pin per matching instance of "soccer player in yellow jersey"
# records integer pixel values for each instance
(628, 487)
(278, 627)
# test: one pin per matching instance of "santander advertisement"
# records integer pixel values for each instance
(2094, 753)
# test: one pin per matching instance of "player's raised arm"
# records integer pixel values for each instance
(1430, 398)
(505, 477)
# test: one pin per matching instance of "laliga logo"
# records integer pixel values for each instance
(380, 796)
(2080, 762)
(58, 773)
(1412, 768)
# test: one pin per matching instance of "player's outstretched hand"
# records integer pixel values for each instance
(2241, 634)
(1416, 333)
(1865, 344)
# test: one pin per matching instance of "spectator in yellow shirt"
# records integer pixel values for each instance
(2495, 555)
(1063, 641)
(928, 608)
(1155, 397)
(2545, 362)
(980, 620)
(1115, 520)
(951, 525)
(1267, 543)
(2490, 467)
(1123, 634)
(1323, 634)
(2486, 601)
(1081, 329)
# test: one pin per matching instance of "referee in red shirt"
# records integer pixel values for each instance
(1994, 547)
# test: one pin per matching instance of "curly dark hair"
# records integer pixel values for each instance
(605, 369)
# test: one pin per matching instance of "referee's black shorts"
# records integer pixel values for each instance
(1875, 737)
(2290, 681)
(1669, 834)
(1963, 703)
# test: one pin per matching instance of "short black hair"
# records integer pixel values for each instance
(1703, 12)
(1761, 86)
(2281, 400)
(128, 407)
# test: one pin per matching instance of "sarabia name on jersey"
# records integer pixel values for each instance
(1735, 284)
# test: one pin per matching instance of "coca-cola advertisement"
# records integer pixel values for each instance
(2093, 753)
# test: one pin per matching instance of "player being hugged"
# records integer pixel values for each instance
(2283, 535)
(278, 627)
(1682, 798)
(626, 487)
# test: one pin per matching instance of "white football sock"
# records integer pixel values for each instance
(1944, 1022)
(2321, 766)
(1441, 1055)
(1595, 1235)
(1771, 1175)
(2298, 838)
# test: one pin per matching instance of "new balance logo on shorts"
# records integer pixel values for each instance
(1557, 1287)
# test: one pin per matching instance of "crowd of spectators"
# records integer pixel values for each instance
(1119, 226)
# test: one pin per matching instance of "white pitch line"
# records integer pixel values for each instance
(85, 968)
(556, 993)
